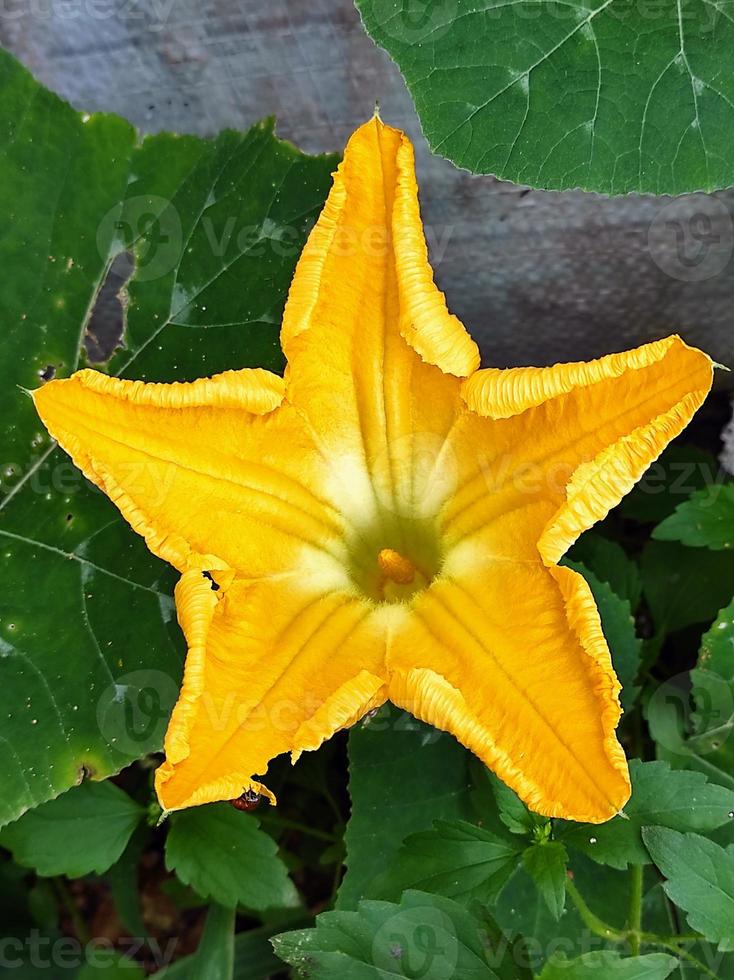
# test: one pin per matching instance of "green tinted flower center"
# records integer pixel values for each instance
(396, 560)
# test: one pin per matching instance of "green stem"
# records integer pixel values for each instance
(634, 920)
(287, 824)
(592, 921)
(634, 936)
(671, 947)
(329, 797)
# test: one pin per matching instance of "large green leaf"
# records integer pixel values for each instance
(700, 880)
(423, 936)
(701, 739)
(223, 855)
(681, 470)
(685, 585)
(608, 965)
(609, 562)
(705, 520)
(91, 655)
(609, 96)
(455, 859)
(618, 626)
(403, 775)
(680, 800)
(85, 830)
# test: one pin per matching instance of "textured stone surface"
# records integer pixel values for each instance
(537, 277)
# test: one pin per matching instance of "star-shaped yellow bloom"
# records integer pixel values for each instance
(384, 522)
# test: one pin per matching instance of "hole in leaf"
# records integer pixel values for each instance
(106, 322)
(48, 373)
(84, 771)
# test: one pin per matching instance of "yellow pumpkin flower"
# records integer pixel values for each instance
(385, 521)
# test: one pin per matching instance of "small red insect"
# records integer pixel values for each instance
(250, 800)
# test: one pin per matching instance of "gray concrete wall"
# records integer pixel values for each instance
(537, 277)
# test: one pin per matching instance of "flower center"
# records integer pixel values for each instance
(395, 567)
(393, 559)
(399, 578)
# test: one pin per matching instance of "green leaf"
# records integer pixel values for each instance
(713, 693)
(214, 957)
(679, 800)
(423, 936)
(496, 807)
(701, 739)
(223, 855)
(403, 775)
(717, 645)
(546, 864)
(609, 562)
(521, 909)
(457, 860)
(91, 652)
(124, 884)
(84, 831)
(666, 714)
(685, 585)
(705, 520)
(559, 95)
(512, 811)
(618, 626)
(608, 965)
(681, 470)
(700, 880)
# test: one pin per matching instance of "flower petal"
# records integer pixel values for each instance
(368, 245)
(215, 467)
(263, 677)
(510, 658)
(366, 332)
(571, 440)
